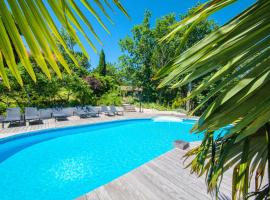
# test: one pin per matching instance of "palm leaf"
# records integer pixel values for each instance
(8, 54)
(237, 57)
(3, 72)
(15, 37)
(33, 21)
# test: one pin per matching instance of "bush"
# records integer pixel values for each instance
(110, 98)
(2, 108)
(178, 103)
(155, 106)
(130, 100)
(101, 84)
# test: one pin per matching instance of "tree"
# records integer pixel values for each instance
(237, 55)
(138, 59)
(83, 67)
(32, 21)
(143, 55)
(100, 84)
(102, 66)
(115, 71)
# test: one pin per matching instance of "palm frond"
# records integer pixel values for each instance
(237, 56)
(27, 27)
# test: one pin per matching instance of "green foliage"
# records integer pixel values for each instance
(73, 89)
(130, 100)
(83, 66)
(30, 25)
(2, 107)
(138, 59)
(100, 84)
(115, 72)
(144, 55)
(178, 103)
(45, 93)
(112, 97)
(155, 106)
(102, 66)
(237, 57)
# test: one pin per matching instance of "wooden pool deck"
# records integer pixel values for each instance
(163, 178)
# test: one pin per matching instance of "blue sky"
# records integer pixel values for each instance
(122, 26)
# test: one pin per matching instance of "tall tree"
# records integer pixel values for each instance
(102, 66)
(143, 54)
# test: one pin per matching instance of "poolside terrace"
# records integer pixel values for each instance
(162, 178)
(10, 130)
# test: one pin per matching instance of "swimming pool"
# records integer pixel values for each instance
(68, 162)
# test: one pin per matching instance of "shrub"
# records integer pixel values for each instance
(178, 103)
(110, 98)
(155, 106)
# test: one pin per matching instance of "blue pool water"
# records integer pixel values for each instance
(66, 163)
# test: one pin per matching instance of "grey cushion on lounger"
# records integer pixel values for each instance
(106, 111)
(58, 113)
(69, 111)
(31, 113)
(45, 113)
(92, 111)
(116, 110)
(13, 115)
(81, 112)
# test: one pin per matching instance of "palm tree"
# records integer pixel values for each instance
(29, 26)
(238, 56)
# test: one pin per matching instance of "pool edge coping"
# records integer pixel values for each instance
(33, 132)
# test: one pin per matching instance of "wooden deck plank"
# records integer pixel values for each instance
(160, 179)
(138, 188)
(165, 185)
(169, 162)
(180, 180)
(101, 194)
(169, 167)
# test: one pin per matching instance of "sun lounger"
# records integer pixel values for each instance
(106, 111)
(31, 114)
(84, 112)
(93, 111)
(58, 114)
(97, 109)
(117, 110)
(69, 111)
(45, 113)
(13, 115)
(81, 112)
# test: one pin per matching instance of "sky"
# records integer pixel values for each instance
(122, 25)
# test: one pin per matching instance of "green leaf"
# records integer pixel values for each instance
(29, 25)
(3, 74)
(15, 37)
